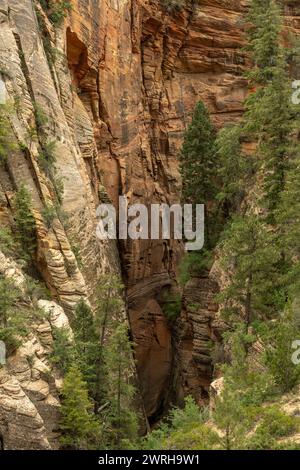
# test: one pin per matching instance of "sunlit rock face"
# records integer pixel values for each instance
(138, 73)
(118, 96)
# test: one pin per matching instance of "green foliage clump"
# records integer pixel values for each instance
(7, 242)
(234, 168)
(195, 264)
(76, 250)
(122, 424)
(250, 256)
(198, 167)
(6, 142)
(25, 222)
(63, 351)
(87, 346)
(199, 171)
(9, 294)
(240, 411)
(58, 11)
(278, 342)
(270, 113)
(80, 428)
(171, 306)
(47, 157)
(184, 428)
(41, 117)
(12, 318)
(173, 6)
(115, 365)
(102, 352)
(49, 214)
(265, 21)
(197, 157)
(273, 425)
(47, 160)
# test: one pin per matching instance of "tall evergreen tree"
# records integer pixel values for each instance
(109, 305)
(118, 360)
(278, 345)
(197, 158)
(265, 26)
(269, 116)
(86, 345)
(80, 429)
(63, 354)
(250, 257)
(198, 164)
(115, 373)
(234, 168)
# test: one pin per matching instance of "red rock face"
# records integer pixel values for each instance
(139, 72)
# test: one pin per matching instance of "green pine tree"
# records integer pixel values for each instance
(109, 305)
(250, 257)
(122, 419)
(80, 429)
(198, 164)
(244, 390)
(235, 170)
(287, 218)
(63, 354)
(115, 374)
(86, 345)
(12, 318)
(265, 18)
(278, 345)
(269, 116)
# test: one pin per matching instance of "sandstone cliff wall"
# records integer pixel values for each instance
(118, 81)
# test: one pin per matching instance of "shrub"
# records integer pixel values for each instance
(11, 319)
(49, 214)
(275, 424)
(58, 185)
(7, 243)
(184, 429)
(47, 157)
(25, 221)
(63, 352)
(58, 11)
(47, 160)
(11, 341)
(37, 289)
(199, 437)
(5, 73)
(173, 6)
(76, 250)
(171, 306)
(6, 144)
(41, 118)
(278, 350)
(194, 264)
